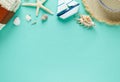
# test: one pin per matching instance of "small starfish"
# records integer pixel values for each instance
(38, 5)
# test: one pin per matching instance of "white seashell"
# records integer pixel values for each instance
(17, 21)
(28, 18)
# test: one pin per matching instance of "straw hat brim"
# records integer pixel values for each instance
(101, 14)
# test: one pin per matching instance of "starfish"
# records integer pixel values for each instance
(38, 5)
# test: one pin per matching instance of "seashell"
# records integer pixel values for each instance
(86, 21)
(44, 17)
(17, 21)
(28, 18)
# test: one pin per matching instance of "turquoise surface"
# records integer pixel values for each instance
(58, 51)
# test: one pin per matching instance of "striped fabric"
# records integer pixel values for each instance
(67, 8)
(7, 10)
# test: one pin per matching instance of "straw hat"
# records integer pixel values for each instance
(102, 12)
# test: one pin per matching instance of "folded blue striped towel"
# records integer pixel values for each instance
(67, 8)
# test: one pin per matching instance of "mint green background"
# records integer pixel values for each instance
(58, 51)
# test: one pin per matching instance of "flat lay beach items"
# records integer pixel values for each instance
(107, 11)
(67, 8)
(44, 17)
(28, 17)
(112, 5)
(38, 5)
(86, 21)
(7, 10)
(17, 21)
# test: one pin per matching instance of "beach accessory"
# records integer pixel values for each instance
(111, 5)
(38, 5)
(44, 17)
(7, 10)
(67, 8)
(86, 21)
(28, 18)
(17, 21)
(104, 10)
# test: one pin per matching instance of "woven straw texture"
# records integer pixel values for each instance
(101, 14)
(112, 4)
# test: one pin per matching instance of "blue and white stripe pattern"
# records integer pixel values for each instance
(67, 8)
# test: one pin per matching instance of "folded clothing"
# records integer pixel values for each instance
(7, 10)
(67, 8)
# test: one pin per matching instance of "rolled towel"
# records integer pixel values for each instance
(7, 10)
